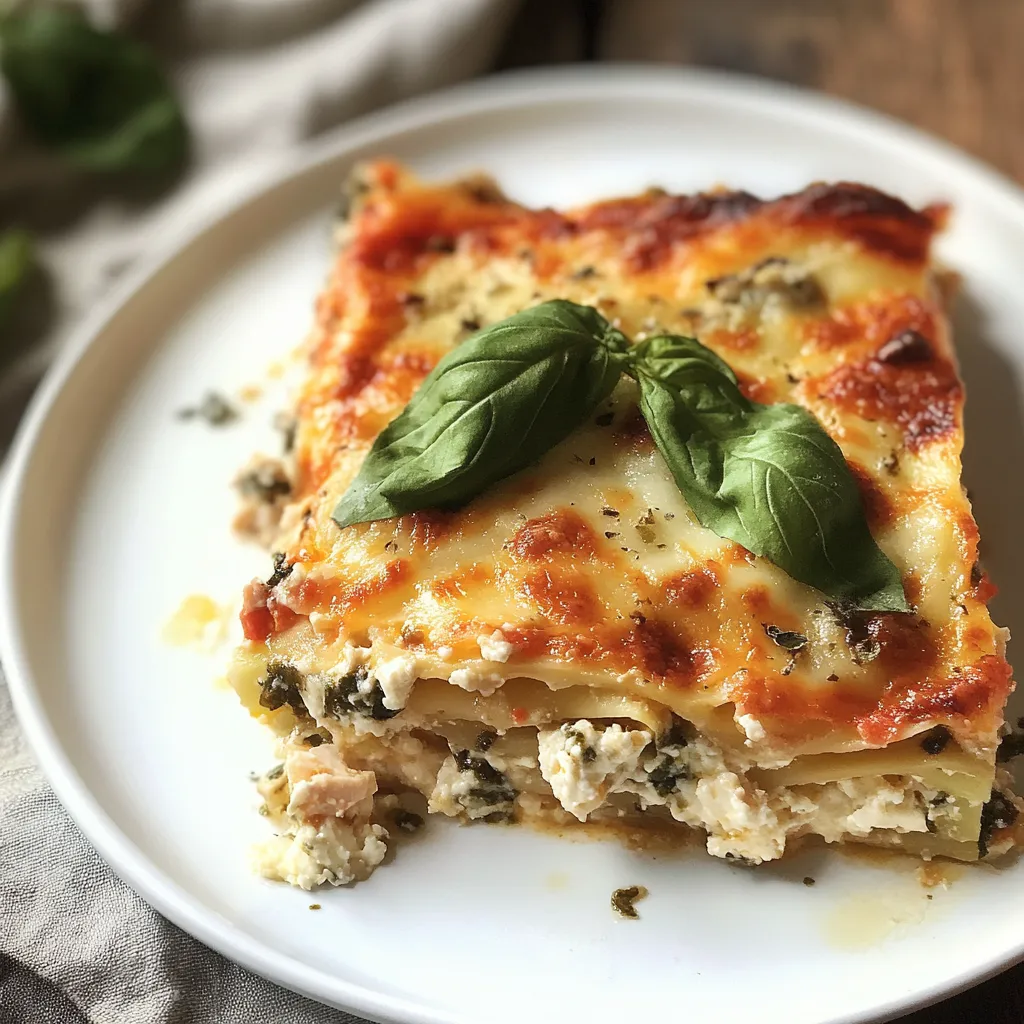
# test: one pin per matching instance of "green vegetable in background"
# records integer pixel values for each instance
(16, 262)
(766, 476)
(490, 407)
(96, 97)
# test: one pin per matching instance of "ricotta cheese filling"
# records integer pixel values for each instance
(324, 808)
(585, 764)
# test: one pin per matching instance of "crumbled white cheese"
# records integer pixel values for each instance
(854, 807)
(495, 647)
(396, 678)
(462, 793)
(329, 836)
(336, 851)
(444, 653)
(738, 819)
(287, 592)
(752, 729)
(473, 678)
(583, 764)
(694, 783)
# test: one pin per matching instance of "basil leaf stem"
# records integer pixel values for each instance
(765, 476)
(490, 407)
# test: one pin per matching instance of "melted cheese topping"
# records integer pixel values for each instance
(588, 569)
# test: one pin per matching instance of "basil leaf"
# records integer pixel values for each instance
(16, 262)
(765, 476)
(490, 407)
(98, 98)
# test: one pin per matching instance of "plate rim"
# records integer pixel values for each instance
(510, 89)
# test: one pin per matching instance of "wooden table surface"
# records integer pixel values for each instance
(952, 67)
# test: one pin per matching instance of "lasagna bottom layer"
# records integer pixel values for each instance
(344, 785)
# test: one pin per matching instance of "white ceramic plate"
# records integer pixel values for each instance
(115, 511)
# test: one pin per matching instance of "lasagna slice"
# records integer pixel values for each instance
(571, 645)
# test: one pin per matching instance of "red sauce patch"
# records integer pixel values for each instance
(976, 692)
(257, 621)
(559, 533)
(744, 340)
(565, 597)
(874, 323)
(691, 589)
(658, 650)
(985, 589)
(757, 389)
(908, 645)
(428, 527)
(922, 399)
(394, 573)
(757, 600)
(633, 430)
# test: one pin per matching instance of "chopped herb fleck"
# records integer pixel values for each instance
(288, 427)
(998, 813)
(493, 787)
(470, 324)
(485, 741)
(861, 633)
(788, 639)
(215, 409)
(276, 772)
(604, 419)
(266, 482)
(645, 527)
(833, 678)
(623, 900)
(1011, 746)
(282, 685)
(264, 810)
(613, 512)
(282, 569)
(407, 821)
(593, 462)
(935, 741)
(314, 906)
(609, 534)
(667, 773)
(351, 694)
(583, 273)
(808, 881)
